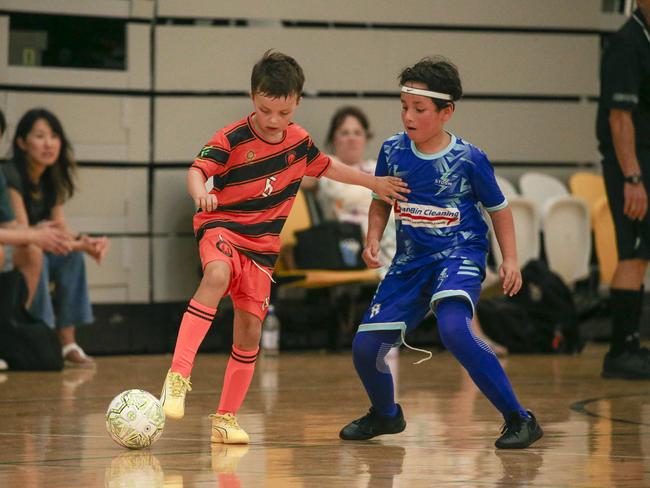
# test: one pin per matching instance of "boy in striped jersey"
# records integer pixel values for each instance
(257, 165)
(441, 255)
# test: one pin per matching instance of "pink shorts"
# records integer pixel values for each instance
(250, 283)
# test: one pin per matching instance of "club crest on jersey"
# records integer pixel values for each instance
(224, 247)
(417, 215)
(291, 157)
(250, 155)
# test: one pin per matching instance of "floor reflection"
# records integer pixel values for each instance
(135, 469)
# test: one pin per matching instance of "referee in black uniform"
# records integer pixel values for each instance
(623, 130)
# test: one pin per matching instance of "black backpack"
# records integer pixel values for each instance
(542, 317)
(26, 343)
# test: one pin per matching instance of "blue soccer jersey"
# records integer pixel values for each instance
(442, 217)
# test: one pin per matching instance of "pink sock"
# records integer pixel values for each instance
(195, 324)
(237, 379)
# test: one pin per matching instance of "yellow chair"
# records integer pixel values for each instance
(299, 219)
(590, 187)
(337, 284)
(605, 239)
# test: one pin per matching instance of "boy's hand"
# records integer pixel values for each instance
(510, 276)
(371, 254)
(206, 202)
(390, 188)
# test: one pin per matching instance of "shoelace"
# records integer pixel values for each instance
(178, 383)
(429, 353)
(513, 425)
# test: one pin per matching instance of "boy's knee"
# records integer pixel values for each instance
(217, 275)
(453, 315)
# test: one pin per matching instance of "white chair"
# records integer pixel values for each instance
(507, 188)
(540, 188)
(567, 237)
(527, 223)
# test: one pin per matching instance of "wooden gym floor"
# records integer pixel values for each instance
(597, 431)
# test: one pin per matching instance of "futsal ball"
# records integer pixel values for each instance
(135, 419)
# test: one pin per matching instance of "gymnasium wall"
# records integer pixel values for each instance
(529, 70)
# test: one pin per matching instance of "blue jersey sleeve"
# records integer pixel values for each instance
(485, 184)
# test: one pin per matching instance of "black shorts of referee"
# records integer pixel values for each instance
(632, 236)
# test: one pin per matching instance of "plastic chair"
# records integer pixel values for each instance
(507, 188)
(527, 223)
(567, 237)
(605, 240)
(588, 186)
(541, 188)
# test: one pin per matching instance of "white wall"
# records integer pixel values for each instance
(529, 67)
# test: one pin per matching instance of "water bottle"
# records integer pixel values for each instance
(271, 333)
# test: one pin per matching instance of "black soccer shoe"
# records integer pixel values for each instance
(519, 432)
(373, 424)
(632, 364)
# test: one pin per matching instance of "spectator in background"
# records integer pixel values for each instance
(40, 180)
(623, 130)
(347, 137)
(16, 242)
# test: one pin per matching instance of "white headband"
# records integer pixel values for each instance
(427, 93)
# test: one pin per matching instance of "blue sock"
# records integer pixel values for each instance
(454, 324)
(369, 353)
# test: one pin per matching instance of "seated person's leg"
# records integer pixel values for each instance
(29, 261)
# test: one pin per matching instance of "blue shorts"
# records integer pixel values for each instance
(404, 298)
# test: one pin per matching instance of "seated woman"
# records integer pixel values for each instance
(347, 137)
(40, 179)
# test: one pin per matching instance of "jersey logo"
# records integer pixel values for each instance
(375, 310)
(268, 189)
(250, 155)
(417, 215)
(291, 157)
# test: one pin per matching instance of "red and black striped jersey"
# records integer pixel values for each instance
(256, 182)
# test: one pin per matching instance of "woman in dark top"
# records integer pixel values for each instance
(40, 180)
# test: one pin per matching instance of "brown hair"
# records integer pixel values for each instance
(339, 117)
(277, 75)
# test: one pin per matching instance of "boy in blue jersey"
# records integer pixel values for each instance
(441, 255)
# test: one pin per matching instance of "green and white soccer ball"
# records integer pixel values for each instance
(135, 419)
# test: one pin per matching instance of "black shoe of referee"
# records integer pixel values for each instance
(631, 364)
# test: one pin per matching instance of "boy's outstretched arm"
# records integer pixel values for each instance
(377, 218)
(196, 188)
(509, 272)
(388, 188)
